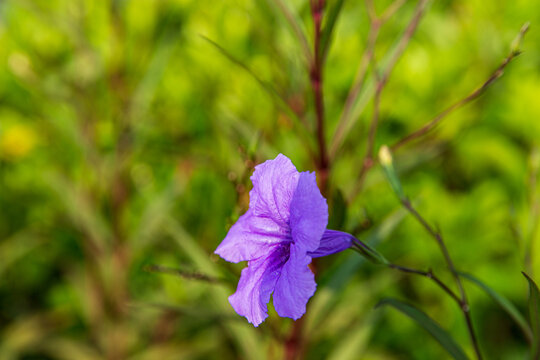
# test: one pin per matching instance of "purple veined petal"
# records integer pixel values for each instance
(295, 285)
(274, 184)
(256, 285)
(309, 213)
(332, 241)
(251, 237)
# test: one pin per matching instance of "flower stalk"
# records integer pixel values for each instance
(386, 161)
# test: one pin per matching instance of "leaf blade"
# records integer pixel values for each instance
(504, 303)
(534, 314)
(331, 20)
(280, 101)
(428, 324)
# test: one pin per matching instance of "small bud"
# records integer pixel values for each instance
(385, 157)
(516, 44)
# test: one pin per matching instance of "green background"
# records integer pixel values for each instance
(127, 139)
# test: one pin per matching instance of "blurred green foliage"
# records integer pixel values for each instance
(127, 139)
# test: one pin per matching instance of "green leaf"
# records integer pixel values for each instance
(429, 325)
(184, 274)
(369, 253)
(295, 22)
(504, 303)
(280, 101)
(267, 87)
(534, 314)
(334, 9)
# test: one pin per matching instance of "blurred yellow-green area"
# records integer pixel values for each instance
(127, 140)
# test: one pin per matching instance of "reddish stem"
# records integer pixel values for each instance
(316, 77)
(294, 344)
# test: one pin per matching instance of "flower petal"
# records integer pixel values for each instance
(251, 237)
(256, 285)
(274, 183)
(332, 241)
(309, 213)
(295, 285)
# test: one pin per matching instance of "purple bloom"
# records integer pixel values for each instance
(284, 228)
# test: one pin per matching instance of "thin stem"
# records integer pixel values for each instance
(391, 10)
(355, 90)
(430, 275)
(381, 81)
(405, 39)
(294, 344)
(467, 99)
(182, 273)
(374, 26)
(368, 163)
(463, 302)
(316, 76)
(534, 211)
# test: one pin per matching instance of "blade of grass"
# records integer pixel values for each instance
(269, 89)
(184, 274)
(428, 324)
(331, 19)
(504, 303)
(534, 315)
(296, 25)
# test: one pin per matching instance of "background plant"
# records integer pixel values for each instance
(127, 139)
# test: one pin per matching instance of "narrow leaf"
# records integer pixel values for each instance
(429, 325)
(504, 303)
(295, 23)
(331, 19)
(189, 275)
(280, 101)
(534, 314)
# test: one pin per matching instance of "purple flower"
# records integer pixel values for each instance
(284, 228)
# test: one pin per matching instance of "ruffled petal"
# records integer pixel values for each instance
(332, 241)
(274, 183)
(309, 213)
(295, 285)
(251, 237)
(256, 285)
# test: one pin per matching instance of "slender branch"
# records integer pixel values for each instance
(381, 81)
(316, 77)
(430, 275)
(367, 165)
(534, 211)
(405, 39)
(182, 273)
(391, 10)
(467, 99)
(281, 101)
(294, 344)
(355, 90)
(375, 24)
(463, 302)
